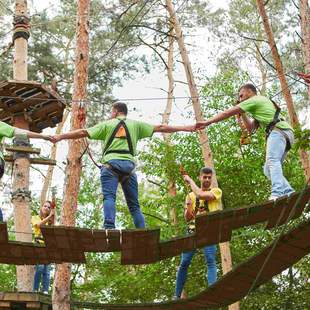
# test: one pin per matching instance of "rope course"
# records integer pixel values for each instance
(69, 244)
(288, 249)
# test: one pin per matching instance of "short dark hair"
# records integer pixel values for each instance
(250, 87)
(120, 107)
(206, 170)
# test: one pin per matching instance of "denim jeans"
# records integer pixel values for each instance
(275, 155)
(42, 272)
(1, 167)
(1, 215)
(186, 258)
(109, 183)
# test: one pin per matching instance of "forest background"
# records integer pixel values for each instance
(227, 47)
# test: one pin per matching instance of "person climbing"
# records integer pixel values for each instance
(42, 272)
(9, 131)
(201, 200)
(120, 136)
(279, 134)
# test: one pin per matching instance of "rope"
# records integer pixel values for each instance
(277, 239)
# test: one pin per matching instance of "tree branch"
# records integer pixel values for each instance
(154, 49)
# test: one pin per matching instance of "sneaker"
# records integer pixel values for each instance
(45, 292)
(273, 197)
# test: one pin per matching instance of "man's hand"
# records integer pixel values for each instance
(55, 138)
(201, 125)
(47, 137)
(187, 178)
(191, 128)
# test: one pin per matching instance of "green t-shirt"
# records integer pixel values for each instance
(5, 131)
(263, 110)
(103, 131)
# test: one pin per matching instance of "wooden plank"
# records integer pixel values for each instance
(23, 149)
(176, 246)
(34, 161)
(140, 246)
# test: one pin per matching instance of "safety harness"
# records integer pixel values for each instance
(113, 135)
(273, 123)
(121, 175)
(198, 206)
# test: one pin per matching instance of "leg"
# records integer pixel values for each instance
(37, 277)
(186, 259)
(109, 183)
(1, 168)
(130, 189)
(1, 215)
(46, 278)
(275, 153)
(210, 257)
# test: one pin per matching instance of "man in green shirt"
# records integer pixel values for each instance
(9, 131)
(120, 137)
(279, 133)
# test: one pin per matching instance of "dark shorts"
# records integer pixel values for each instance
(1, 168)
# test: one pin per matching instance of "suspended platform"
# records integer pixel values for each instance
(233, 286)
(24, 301)
(237, 283)
(40, 105)
(143, 246)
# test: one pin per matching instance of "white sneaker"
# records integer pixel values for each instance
(273, 197)
(45, 292)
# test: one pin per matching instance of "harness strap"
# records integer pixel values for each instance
(204, 206)
(128, 138)
(273, 123)
(275, 120)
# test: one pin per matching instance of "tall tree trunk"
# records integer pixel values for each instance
(61, 292)
(206, 150)
(49, 175)
(21, 165)
(166, 116)
(305, 34)
(284, 85)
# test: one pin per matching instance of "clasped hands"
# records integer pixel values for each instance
(52, 138)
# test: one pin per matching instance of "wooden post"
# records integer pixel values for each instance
(206, 150)
(284, 85)
(305, 35)
(21, 165)
(166, 116)
(61, 291)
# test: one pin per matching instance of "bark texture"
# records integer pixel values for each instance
(61, 291)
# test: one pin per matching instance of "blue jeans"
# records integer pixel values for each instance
(275, 155)
(1, 215)
(42, 272)
(109, 183)
(186, 258)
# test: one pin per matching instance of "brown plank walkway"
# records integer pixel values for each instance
(69, 244)
(236, 284)
(21, 301)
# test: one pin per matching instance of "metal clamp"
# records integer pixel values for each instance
(21, 194)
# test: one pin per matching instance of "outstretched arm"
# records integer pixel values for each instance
(30, 134)
(170, 129)
(75, 134)
(219, 117)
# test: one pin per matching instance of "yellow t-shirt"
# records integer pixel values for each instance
(35, 220)
(204, 205)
